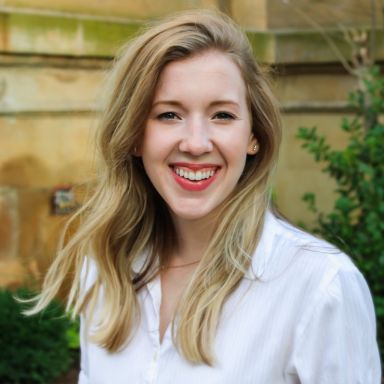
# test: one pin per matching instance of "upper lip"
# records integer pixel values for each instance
(194, 166)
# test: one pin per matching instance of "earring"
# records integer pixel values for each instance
(255, 147)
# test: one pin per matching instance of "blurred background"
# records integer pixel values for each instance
(53, 58)
(54, 55)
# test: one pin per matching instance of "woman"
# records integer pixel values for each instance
(189, 277)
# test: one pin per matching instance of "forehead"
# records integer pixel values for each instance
(209, 72)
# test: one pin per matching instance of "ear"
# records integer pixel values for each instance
(253, 145)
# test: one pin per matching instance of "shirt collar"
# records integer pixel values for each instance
(260, 258)
(263, 252)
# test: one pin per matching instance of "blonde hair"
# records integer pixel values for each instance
(125, 219)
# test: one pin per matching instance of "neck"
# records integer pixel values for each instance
(193, 239)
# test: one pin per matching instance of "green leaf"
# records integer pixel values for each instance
(356, 222)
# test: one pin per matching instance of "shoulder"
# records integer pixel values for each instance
(313, 273)
(332, 305)
(283, 246)
(326, 278)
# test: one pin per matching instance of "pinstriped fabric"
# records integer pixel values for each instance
(302, 314)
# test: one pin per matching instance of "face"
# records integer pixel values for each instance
(198, 134)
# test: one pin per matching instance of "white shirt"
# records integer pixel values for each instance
(302, 314)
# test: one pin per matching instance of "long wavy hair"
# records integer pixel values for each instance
(126, 221)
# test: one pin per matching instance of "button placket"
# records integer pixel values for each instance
(153, 367)
(154, 290)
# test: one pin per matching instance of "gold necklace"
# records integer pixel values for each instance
(163, 267)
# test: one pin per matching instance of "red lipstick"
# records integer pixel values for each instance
(196, 185)
(195, 166)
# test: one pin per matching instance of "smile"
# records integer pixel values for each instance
(194, 177)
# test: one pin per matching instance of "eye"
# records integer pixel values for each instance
(168, 116)
(224, 116)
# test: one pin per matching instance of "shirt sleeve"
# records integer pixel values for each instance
(338, 343)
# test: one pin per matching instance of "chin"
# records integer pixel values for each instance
(190, 214)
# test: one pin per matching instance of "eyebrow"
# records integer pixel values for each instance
(178, 103)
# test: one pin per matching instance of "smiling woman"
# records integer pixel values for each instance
(180, 270)
(199, 125)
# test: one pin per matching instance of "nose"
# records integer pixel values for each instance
(196, 140)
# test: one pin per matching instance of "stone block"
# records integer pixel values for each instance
(26, 89)
(305, 14)
(82, 35)
(260, 14)
(44, 151)
(12, 273)
(297, 171)
(108, 8)
(9, 228)
(303, 89)
(24, 258)
(39, 229)
(250, 14)
(62, 35)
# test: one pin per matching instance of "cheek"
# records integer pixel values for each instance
(148, 137)
(157, 139)
(153, 144)
(234, 148)
(156, 149)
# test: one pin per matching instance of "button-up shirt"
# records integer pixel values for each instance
(302, 314)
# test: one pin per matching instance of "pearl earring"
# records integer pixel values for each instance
(255, 147)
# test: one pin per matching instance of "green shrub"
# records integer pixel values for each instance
(33, 349)
(356, 223)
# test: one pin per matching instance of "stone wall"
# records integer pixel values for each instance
(53, 59)
(46, 132)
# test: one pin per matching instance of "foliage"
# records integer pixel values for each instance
(34, 349)
(356, 223)
(73, 338)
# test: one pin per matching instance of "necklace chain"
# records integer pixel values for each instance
(163, 267)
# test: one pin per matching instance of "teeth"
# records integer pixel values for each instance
(194, 176)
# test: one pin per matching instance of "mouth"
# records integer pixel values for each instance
(194, 177)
